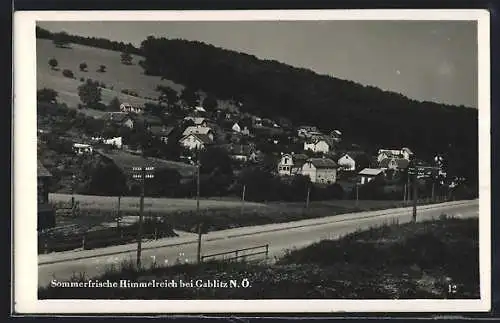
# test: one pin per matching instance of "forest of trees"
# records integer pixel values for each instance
(366, 115)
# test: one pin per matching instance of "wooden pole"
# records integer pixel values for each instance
(118, 213)
(308, 196)
(243, 199)
(415, 191)
(198, 211)
(141, 215)
(357, 194)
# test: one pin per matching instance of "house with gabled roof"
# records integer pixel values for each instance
(199, 131)
(195, 141)
(291, 164)
(317, 146)
(320, 170)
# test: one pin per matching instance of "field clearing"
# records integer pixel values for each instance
(150, 204)
(117, 75)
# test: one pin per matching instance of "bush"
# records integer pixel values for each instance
(68, 73)
(83, 67)
(47, 95)
(82, 79)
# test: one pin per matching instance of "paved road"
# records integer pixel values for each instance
(279, 241)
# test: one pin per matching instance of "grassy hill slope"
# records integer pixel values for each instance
(116, 78)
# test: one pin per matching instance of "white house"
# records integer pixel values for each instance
(291, 164)
(117, 142)
(320, 170)
(304, 131)
(195, 141)
(236, 127)
(126, 107)
(81, 149)
(368, 174)
(347, 163)
(285, 165)
(317, 146)
(404, 153)
(199, 130)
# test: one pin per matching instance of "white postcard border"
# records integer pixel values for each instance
(25, 265)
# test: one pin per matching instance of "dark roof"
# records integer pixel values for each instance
(127, 161)
(161, 130)
(322, 162)
(42, 171)
(205, 139)
(400, 162)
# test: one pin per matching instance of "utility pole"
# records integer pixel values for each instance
(118, 219)
(308, 195)
(404, 194)
(243, 199)
(73, 179)
(198, 211)
(357, 194)
(143, 173)
(412, 172)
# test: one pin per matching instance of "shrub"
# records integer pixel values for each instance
(68, 73)
(83, 67)
(53, 63)
(102, 69)
(82, 79)
(47, 95)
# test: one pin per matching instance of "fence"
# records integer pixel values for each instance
(236, 254)
(93, 239)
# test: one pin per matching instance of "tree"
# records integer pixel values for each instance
(167, 95)
(46, 95)
(68, 73)
(83, 66)
(189, 97)
(126, 58)
(53, 63)
(108, 180)
(61, 40)
(90, 94)
(102, 69)
(210, 103)
(114, 104)
(214, 158)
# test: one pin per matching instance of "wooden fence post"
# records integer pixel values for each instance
(83, 242)
(267, 251)
(156, 234)
(45, 246)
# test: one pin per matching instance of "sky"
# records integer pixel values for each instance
(424, 60)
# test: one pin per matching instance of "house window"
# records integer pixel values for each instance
(286, 160)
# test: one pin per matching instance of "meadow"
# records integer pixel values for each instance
(117, 76)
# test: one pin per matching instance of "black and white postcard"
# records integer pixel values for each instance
(252, 161)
